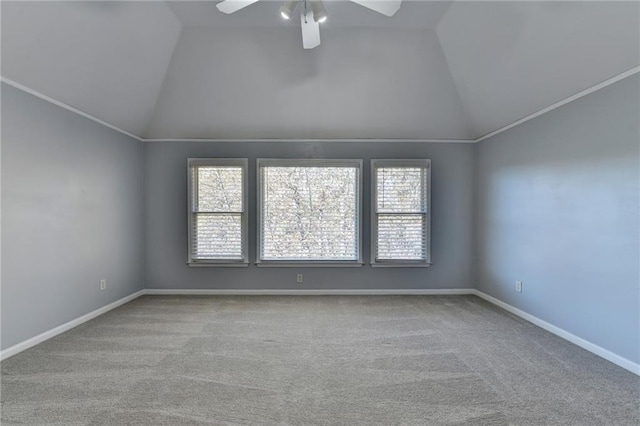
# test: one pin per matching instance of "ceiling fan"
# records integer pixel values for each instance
(312, 13)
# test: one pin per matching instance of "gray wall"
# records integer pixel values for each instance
(72, 194)
(166, 218)
(557, 204)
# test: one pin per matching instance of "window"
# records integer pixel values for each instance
(217, 212)
(400, 212)
(309, 212)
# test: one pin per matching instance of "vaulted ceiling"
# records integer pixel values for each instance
(435, 70)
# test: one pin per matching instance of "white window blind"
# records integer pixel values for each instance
(309, 210)
(217, 211)
(400, 211)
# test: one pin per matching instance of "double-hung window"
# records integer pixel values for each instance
(309, 212)
(400, 212)
(217, 191)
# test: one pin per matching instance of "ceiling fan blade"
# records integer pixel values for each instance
(310, 30)
(386, 7)
(230, 6)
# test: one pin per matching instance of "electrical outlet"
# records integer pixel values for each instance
(299, 278)
(103, 284)
(519, 286)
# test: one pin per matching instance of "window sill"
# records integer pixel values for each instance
(320, 264)
(400, 265)
(217, 264)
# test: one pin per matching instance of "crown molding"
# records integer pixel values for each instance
(316, 140)
(56, 102)
(601, 85)
(633, 71)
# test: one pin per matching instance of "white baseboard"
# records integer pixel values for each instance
(585, 344)
(328, 292)
(22, 346)
(591, 347)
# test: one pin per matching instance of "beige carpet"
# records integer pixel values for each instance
(377, 360)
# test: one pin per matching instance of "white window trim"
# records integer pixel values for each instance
(237, 162)
(281, 162)
(374, 219)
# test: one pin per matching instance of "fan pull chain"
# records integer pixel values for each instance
(305, 11)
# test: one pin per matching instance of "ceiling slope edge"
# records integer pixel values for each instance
(633, 71)
(163, 83)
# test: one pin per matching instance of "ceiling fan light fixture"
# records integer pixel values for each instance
(287, 8)
(319, 13)
(312, 13)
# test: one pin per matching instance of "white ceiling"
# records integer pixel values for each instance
(108, 59)
(441, 70)
(510, 59)
(343, 14)
(267, 86)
